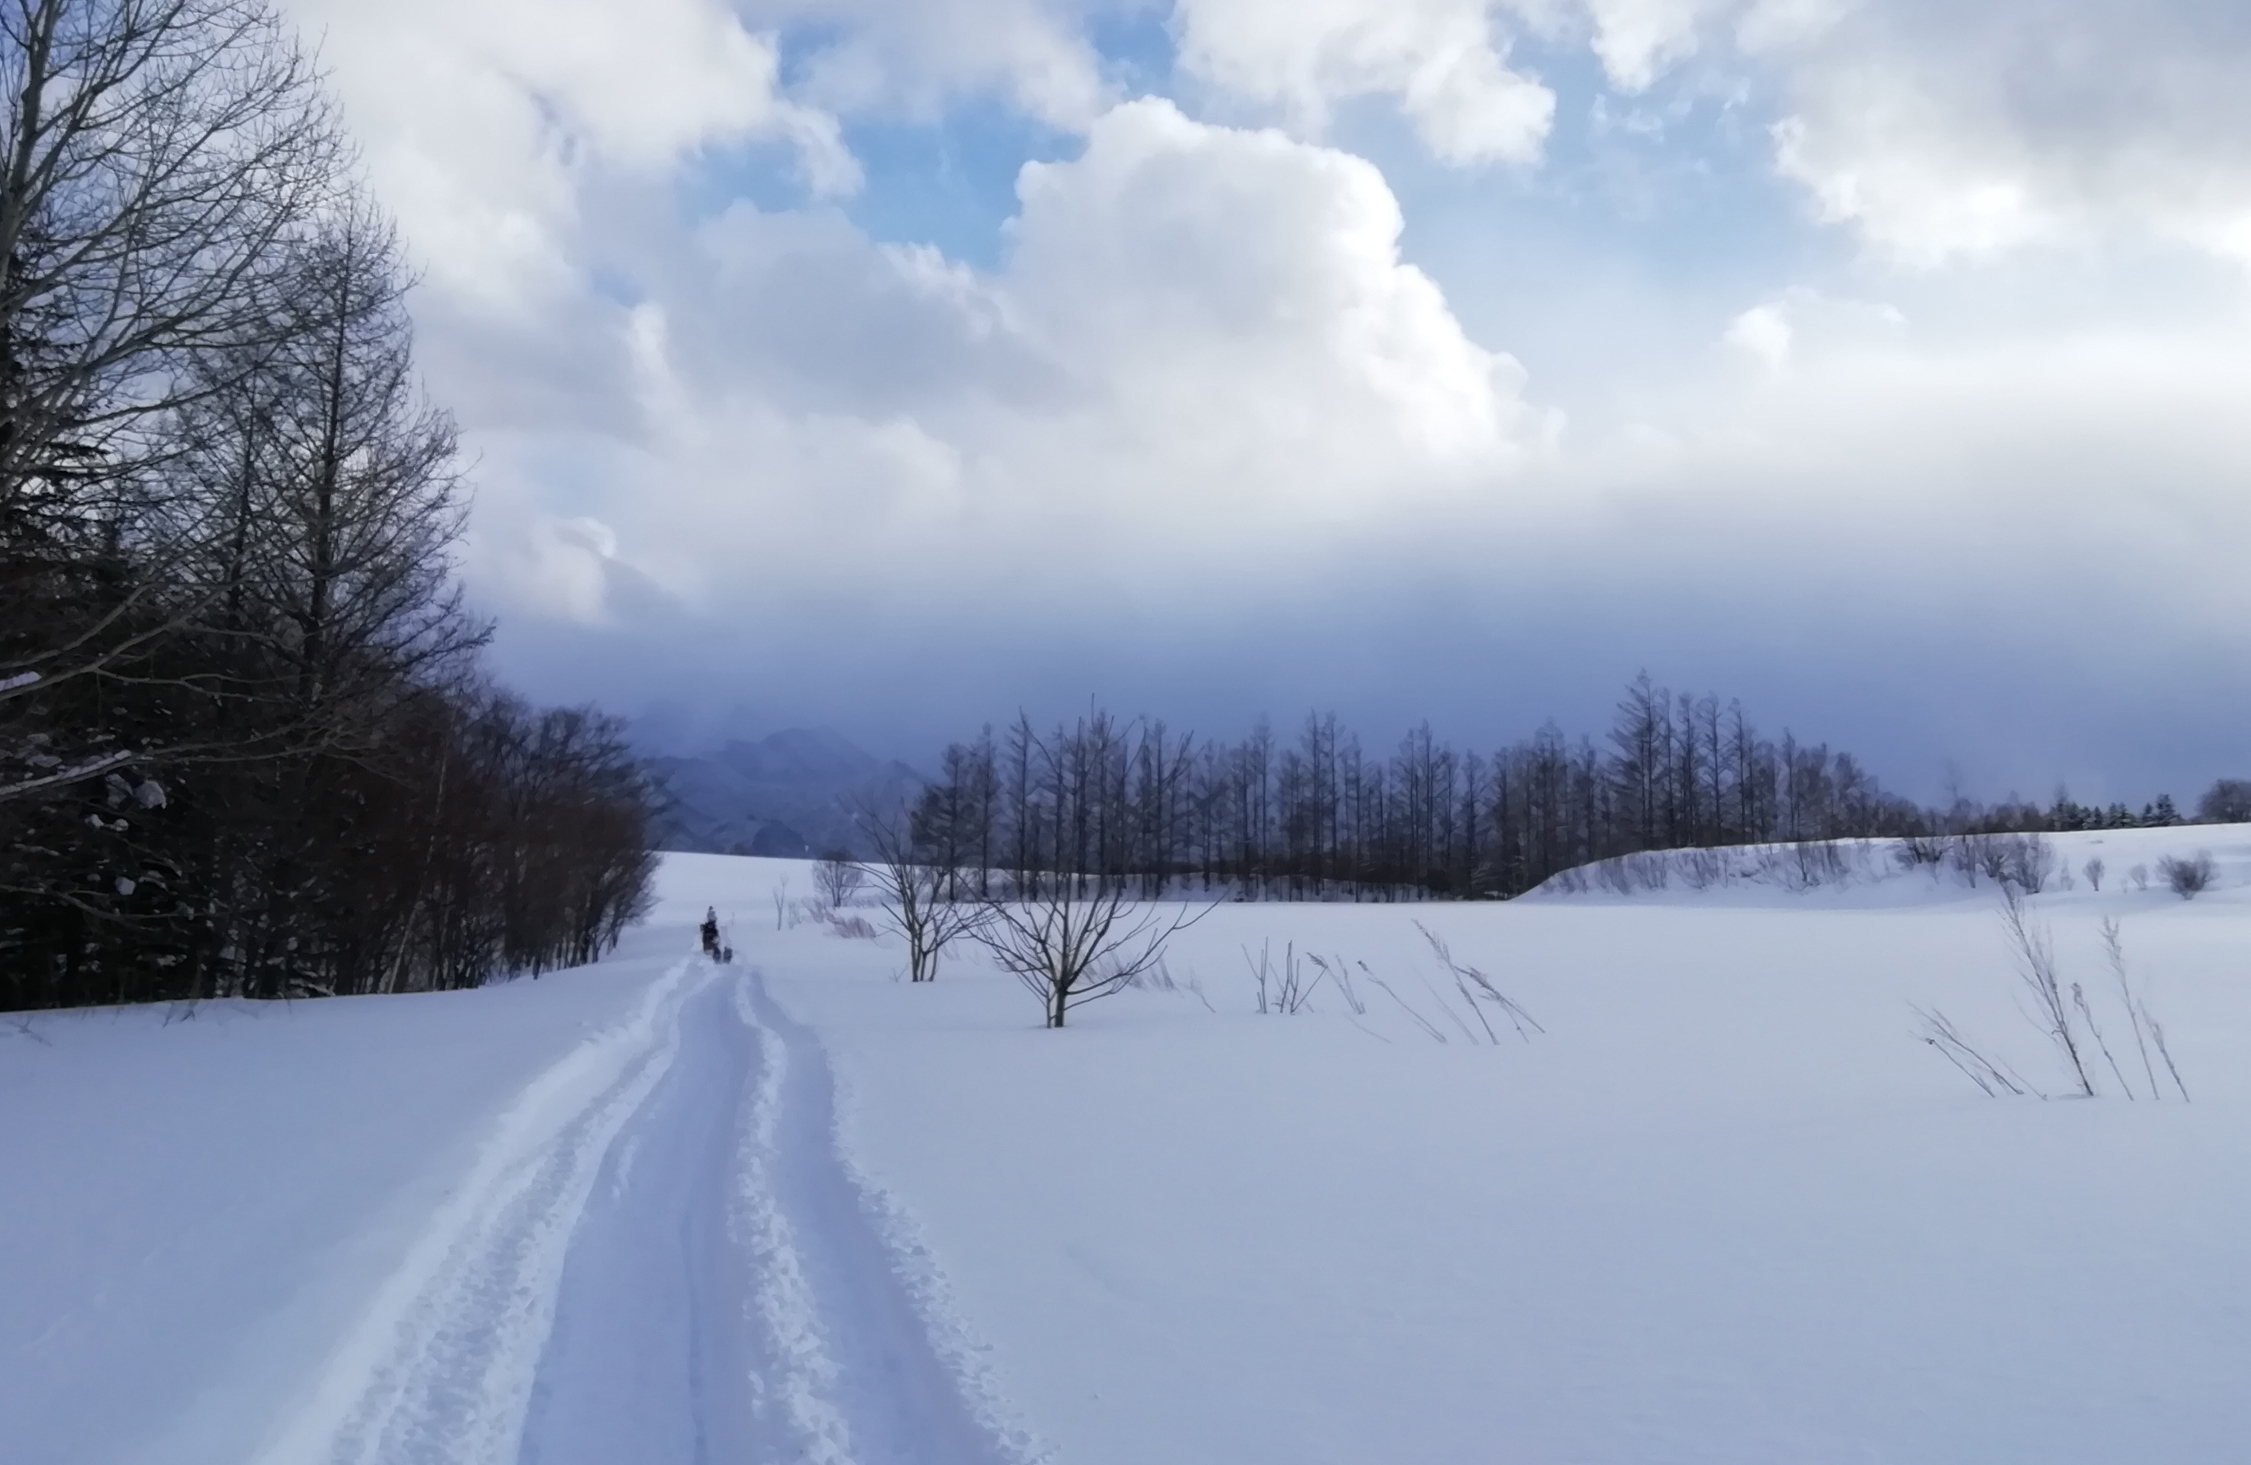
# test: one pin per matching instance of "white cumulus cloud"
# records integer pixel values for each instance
(1445, 62)
(1944, 132)
(480, 118)
(1196, 325)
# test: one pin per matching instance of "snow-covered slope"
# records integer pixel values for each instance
(1724, 1208)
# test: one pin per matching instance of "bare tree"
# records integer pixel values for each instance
(1068, 952)
(836, 875)
(916, 895)
(2226, 802)
(157, 159)
(2190, 877)
(226, 519)
(2028, 860)
(2094, 871)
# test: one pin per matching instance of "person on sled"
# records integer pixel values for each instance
(710, 929)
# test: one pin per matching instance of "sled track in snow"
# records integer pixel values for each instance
(858, 1378)
(659, 1258)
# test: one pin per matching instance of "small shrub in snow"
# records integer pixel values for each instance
(1921, 851)
(2148, 1032)
(1818, 862)
(2138, 877)
(1977, 854)
(2036, 969)
(1340, 977)
(2094, 872)
(1704, 868)
(2025, 861)
(2187, 878)
(1475, 988)
(1994, 1077)
(2063, 1014)
(1285, 989)
(1159, 978)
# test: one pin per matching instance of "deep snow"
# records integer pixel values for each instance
(1724, 1209)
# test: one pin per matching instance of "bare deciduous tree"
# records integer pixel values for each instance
(2027, 861)
(2226, 802)
(837, 876)
(916, 895)
(226, 522)
(158, 159)
(2190, 877)
(1068, 952)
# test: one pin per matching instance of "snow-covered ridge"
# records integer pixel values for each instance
(1921, 870)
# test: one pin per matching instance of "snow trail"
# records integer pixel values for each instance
(855, 1377)
(649, 1347)
(440, 1366)
(660, 1256)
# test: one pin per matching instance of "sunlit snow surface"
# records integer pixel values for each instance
(1724, 1209)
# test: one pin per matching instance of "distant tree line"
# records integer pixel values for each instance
(245, 749)
(1104, 800)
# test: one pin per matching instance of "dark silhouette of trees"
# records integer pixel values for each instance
(2226, 802)
(244, 750)
(1101, 803)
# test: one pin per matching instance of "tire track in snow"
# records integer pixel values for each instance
(649, 1354)
(660, 1255)
(863, 1366)
(441, 1365)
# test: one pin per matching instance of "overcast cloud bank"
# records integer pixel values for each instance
(1205, 431)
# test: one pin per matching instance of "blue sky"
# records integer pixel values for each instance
(892, 364)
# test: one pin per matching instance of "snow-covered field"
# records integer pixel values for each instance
(1724, 1208)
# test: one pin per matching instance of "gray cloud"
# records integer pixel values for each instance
(1203, 444)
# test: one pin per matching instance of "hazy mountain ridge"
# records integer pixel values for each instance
(790, 794)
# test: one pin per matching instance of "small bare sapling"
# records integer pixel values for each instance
(1068, 952)
(2093, 870)
(918, 896)
(837, 876)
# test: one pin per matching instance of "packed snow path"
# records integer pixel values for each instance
(662, 1260)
